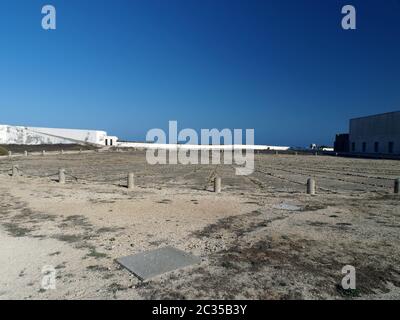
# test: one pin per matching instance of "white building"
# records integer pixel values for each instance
(36, 136)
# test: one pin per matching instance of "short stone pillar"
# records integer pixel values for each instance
(26, 153)
(276, 153)
(62, 151)
(311, 186)
(9, 154)
(217, 185)
(15, 171)
(131, 180)
(43, 152)
(397, 186)
(61, 176)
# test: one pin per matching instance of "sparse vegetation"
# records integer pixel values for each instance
(349, 293)
(15, 230)
(3, 151)
(71, 238)
(95, 254)
(97, 268)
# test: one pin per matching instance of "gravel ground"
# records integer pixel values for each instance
(261, 238)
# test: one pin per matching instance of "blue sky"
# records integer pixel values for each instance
(285, 68)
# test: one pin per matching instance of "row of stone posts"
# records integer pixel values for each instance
(43, 153)
(10, 154)
(118, 150)
(131, 180)
(26, 153)
(311, 185)
(130, 184)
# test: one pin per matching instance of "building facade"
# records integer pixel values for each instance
(35, 136)
(341, 143)
(377, 134)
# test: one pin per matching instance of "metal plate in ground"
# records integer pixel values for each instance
(286, 206)
(149, 264)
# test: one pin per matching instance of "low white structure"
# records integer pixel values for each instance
(36, 136)
(110, 140)
(139, 145)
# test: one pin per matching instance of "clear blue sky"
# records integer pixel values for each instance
(284, 68)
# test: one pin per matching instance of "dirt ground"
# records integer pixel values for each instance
(251, 245)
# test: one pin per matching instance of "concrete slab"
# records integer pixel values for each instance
(149, 264)
(286, 206)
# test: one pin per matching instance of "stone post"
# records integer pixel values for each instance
(217, 185)
(61, 176)
(397, 186)
(311, 186)
(15, 171)
(131, 180)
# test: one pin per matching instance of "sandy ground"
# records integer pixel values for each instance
(251, 247)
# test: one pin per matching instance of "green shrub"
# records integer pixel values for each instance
(3, 151)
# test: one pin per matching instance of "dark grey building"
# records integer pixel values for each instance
(377, 134)
(341, 143)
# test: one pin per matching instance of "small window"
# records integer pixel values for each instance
(364, 147)
(376, 147)
(106, 142)
(391, 146)
(111, 142)
(353, 146)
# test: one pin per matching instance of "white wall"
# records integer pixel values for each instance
(3, 134)
(22, 135)
(198, 147)
(35, 136)
(89, 136)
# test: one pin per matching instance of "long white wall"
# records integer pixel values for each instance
(35, 136)
(22, 135)
(3, 134)
(198, 147)
(88, 136)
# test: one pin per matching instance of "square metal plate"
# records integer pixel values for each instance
(286, 206)
(149, 264)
